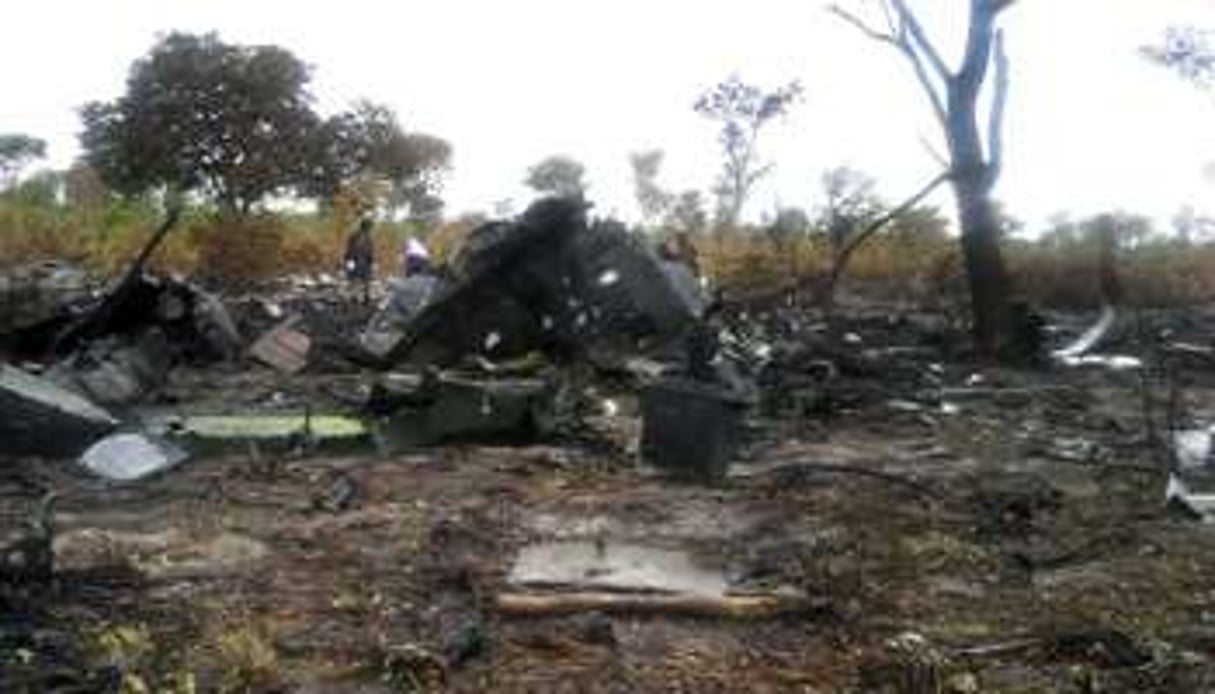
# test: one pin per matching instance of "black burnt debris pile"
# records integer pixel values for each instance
(73, 355)
(561, 460)
(548, 282)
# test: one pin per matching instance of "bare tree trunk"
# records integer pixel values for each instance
(975, 161)
(975, 173)
(985, 272)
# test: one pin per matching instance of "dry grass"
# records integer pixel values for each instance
(1160, 272)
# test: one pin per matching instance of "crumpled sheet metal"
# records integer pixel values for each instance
(549, 281)
(40, 418)
(129, 457)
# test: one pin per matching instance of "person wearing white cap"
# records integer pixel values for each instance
(408, 294)
(416, 258)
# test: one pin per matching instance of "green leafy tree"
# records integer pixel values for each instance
(557, 175)
(42, 189)
(741, 110)
(17, 151)
(230, 122)
(84, 189)
(419, 175)
(369, 141)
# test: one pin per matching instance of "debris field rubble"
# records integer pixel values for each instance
(561, 461)
(498, 346)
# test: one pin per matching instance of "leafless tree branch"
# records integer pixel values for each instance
(841, 261)
(930, 90)
(924, 45)
(891, 21)
(933, 152)
(862, 26)
(901, 37)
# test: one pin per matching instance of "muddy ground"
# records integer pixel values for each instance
(1013, 539)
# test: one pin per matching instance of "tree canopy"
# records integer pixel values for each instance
(1188, 51)
(369, 141)
(741, 110)
(687, 212)
(849, 201)
(652, 199)
(236, 124)
(16, 152)
(557, 175)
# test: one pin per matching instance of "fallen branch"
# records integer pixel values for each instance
(840, 263)
(729, 606)
(887, 477)
(995, 650)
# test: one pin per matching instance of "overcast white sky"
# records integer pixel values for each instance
(1091, 126)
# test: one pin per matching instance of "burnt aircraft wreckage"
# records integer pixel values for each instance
(498, 345)
(549, 281)
(579, 294)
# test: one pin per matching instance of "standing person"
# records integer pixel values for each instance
(415, 259)
(411, 293)
(360, 256)
(682, 275)
(408, 293)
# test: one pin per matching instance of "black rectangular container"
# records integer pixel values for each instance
(691, 429)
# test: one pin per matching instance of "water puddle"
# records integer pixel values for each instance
(616, 566)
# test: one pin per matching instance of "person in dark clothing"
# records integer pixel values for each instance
(360, 257)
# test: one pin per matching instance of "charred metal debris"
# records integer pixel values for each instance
(516, 339)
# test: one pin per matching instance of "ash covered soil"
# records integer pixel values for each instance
(953, 527)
